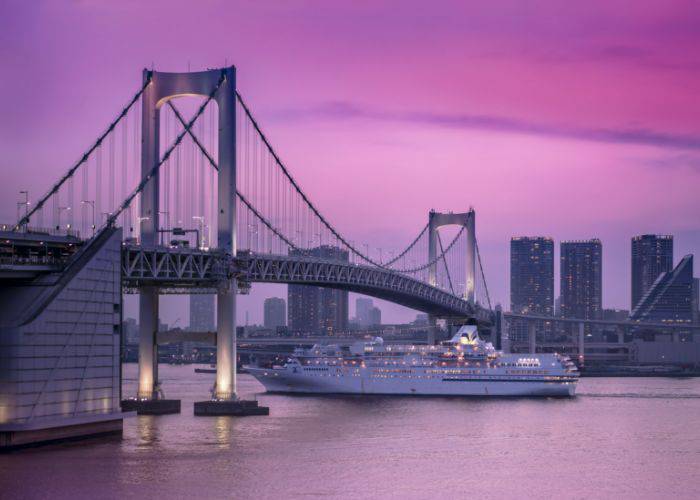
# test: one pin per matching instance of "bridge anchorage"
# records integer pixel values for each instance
(215, 210)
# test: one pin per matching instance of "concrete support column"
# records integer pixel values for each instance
(532, 336)
(675, 335)
(431, 329)
(580, 343)
(471, 257)
(432, 248)
(620, 334)
(505, 335)
(226, 238)
(226, 343)
(148, 297)
(148, 346)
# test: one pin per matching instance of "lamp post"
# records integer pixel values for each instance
(25, 203)
(140, 220)
(92, 206)
(58, 222)
(252, 229)
(200, 234)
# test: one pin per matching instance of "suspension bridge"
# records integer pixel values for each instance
(201, 202)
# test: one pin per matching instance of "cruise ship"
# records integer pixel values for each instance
(463, 366)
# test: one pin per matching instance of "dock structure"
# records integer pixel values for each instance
(60, 371)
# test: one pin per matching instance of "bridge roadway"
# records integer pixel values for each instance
(182, 268)
(176, 336)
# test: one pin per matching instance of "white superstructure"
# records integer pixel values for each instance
(462, 366)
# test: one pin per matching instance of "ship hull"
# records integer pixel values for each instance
(284, 381)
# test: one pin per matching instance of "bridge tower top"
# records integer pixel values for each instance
(467, 220)
(161, 87)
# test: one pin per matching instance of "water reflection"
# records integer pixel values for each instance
(222, 431)
(148, 431)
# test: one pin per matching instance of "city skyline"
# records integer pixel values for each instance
(287, 249)
(527, 156)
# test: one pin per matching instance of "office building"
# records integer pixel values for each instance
(531, 282)
(317, 310)
(275, 313)
(672, 298)
(202, 318)
(421, 320)
(363, 305)
(532, 275)
(374, 317)
(651, 256)
(616, 314)
(581, 279)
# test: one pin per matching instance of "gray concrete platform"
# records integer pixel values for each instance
(152, 406)
(14, 436)
(237, 408)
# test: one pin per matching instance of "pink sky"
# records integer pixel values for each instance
(554, 118)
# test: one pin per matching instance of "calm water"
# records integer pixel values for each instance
(629, 438)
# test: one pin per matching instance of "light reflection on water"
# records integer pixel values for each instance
(631, 437)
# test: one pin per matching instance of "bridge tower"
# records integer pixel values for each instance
(162, 88)
(467, 219)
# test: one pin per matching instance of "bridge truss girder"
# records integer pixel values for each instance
(192, 269)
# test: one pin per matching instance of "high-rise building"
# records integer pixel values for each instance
(275, 313)
(651, 255)
(616, 314)
(202, 313)
(532, 275)
(673, 298)
(421, 319)
(374, 317)
(581, 279)
(531, 282)
(363, 305)
(318, 310)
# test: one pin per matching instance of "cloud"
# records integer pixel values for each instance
(680, 160)
(343, 110)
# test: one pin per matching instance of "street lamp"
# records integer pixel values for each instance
(140, 220)
(252, 229)
(200, 234)
(59, 210)
(92, 205)
(25, 203)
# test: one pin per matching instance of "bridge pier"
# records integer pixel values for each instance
(148, 400)
(148, 346)
(620, 335)
(432, 327)
(226, 344)
(581, 329)
(532, 336)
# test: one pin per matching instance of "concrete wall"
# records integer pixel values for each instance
(63, 364)
(660, 353)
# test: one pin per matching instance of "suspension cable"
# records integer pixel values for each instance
(298, 188)
(409, 247)
(278, 232)
(444, 260)
(213, 163)
(113, 217)
(25, 220)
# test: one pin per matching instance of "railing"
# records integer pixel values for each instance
(49, 231)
